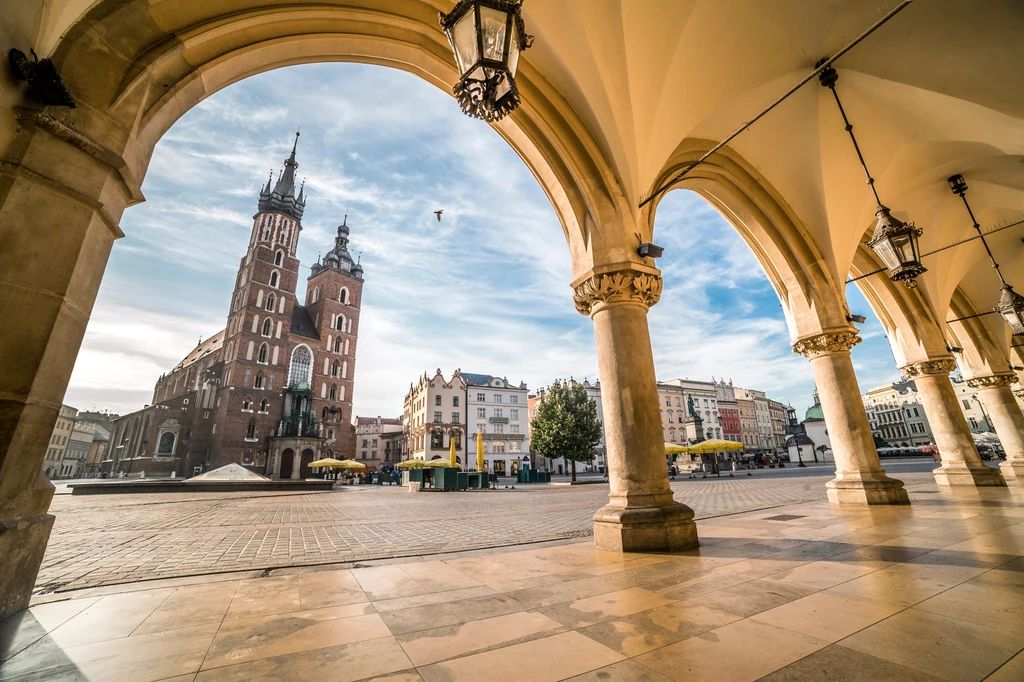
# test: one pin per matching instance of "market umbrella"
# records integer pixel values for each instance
(420, 464)
(676, 449)
(349, 464)
(451, 453)
(325, 462)
(714, 445)
(480, 463)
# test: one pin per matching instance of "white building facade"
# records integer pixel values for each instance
(499, 410)
(372, 437)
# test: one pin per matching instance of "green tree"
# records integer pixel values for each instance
(822, 449)
(566, 425)
(880, 442)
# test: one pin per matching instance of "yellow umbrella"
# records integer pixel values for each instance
(325, 462)
(676, 449)
(714, 445)
(349, 464)
(480, 463)
(420, 464)
(452, 461)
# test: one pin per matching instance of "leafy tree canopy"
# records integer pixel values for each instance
(566, 424)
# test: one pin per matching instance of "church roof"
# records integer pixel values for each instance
(477, 379)
(282, 199)
(814, 413)
(338, 258)
(302, 323)
(210, 345)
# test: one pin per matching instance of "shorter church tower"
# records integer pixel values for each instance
(334, 294)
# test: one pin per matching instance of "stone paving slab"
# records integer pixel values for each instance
(109, 540)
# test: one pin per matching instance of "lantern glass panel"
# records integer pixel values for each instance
(904, 245)
(513, 51)
(887, 253)
(493, 24)
(1015, 320)
(464, 42)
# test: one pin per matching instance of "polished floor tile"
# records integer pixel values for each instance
(264, 596)
(604, 607)
(649, 630)
(449, 613)
(753, 596)
(248, 639)
(718, 654)
(345, 663)
(439, 644)
(541, 660)
(987, 606)
(945, 647)
(830, 617)
(22, 629)
(839, 664)
(188, 606)
(624, 671)
(113, 616)
(324, 589)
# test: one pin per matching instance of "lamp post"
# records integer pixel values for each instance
(1011, 304)
(487, 37)
(799, 455)
(894, 241)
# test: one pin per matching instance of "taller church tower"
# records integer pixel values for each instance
(258, 347)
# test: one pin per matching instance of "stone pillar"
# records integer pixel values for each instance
(296, 464)
(997, 397)
(61, 195)
(860, 478)
(641, 514)
(961, 463)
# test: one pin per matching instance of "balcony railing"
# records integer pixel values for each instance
(498, 420)
(502, 436)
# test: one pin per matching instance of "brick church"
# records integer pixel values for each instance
(272, 391)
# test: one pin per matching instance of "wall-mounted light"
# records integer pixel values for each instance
(857, 319)
(44, 83)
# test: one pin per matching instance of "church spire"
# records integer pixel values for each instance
(281, 198)
(286, 184)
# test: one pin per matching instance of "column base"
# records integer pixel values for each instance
(1013, 472)
(22, 545)
(645, 529)
(960, 474)
(869, 488)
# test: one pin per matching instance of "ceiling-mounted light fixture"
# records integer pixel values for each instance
(487, 37)
(1011, 304)
(893, 240)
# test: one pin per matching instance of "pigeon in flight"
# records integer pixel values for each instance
(438, 214)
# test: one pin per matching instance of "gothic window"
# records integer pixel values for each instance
(340, 323)
(247, 456)
(250, 432)
(248, 375)
(259, 380)
(279, 257)
(343, 297)
(262, 357)
(337, 345)
(266, 235)
(333, 393)
(301, 364)
(270, 303)
(280, 240)
(273, 279)
(166, 444)
(334, 369)
(246, 405)
(263, 406)
(270, 383)
(268, 327)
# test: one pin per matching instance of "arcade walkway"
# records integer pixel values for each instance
(934, 591)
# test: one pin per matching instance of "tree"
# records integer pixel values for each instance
(822, 449)
(566, 425)
(880, 442)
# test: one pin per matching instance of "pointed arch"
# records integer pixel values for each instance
(270, 302)
(268, 327)
(263, 354)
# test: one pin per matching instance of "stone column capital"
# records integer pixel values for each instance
(993, 381)
(1019, 392)
(627, 283)
(940, 367)
(838, 341)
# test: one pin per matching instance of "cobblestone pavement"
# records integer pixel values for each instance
(108, 539)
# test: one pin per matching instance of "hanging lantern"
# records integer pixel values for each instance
(895, 242)
(1011, 307)
(487, 37)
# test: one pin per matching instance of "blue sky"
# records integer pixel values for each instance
(486, 290)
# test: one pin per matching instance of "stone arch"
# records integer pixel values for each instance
(810, 294)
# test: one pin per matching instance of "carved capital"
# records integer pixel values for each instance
(929, 367)
(994, 381)
(621, 286)
(1019, 392)
(826, 342)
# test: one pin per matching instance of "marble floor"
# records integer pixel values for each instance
(934, 591)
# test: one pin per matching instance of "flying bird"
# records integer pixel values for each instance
(438, 214)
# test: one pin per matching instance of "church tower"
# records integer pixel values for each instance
(257, 341)
(334, 295)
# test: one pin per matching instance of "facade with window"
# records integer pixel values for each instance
(375, 440)
(896, 415)
(272, 390)
(434, 414)
(675, 396)
(500, 412)
(59, 438)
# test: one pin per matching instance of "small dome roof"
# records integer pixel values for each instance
(814, 413)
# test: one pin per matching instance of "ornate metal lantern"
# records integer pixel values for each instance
(487, 37)
(1011, 307)
(895, 242)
